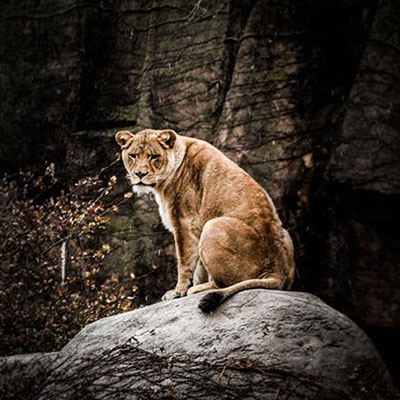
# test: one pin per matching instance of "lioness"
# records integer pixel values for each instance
(228, 235)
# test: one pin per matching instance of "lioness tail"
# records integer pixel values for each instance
(212, 300)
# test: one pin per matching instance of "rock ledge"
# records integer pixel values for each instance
(259, 344)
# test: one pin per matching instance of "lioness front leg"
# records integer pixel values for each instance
(186, 249)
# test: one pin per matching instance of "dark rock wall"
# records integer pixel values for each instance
(365, 165)
(303, 95)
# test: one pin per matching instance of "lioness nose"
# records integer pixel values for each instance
(141, 174)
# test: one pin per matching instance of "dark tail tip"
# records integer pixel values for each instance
(211, 301)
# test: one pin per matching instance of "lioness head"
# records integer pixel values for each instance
(148, 156)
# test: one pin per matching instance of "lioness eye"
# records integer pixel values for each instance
(133, 156)
(154, 156)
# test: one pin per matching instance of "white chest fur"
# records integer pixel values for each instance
(162, 209)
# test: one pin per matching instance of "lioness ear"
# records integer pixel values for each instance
(167, 138)
(123, 138)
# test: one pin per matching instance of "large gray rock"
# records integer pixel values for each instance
(259, 344)
(23, 373)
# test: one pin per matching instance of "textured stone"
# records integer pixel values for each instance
(22, 374)
(367, 155)
(364, 181)
(259, 344)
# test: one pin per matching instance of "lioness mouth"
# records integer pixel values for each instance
(145, 184)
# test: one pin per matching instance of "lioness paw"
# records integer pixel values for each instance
(202, 287)
(171, 294)
(191, 290)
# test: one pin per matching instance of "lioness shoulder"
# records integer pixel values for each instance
(228, 235)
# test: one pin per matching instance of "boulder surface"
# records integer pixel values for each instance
(260, 344)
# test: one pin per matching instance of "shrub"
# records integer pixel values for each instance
(51, 258)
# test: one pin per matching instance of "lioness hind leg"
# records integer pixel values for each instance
(237, 259)
(231, 251)
(288, 259)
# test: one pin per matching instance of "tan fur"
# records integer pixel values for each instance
(224, 224)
